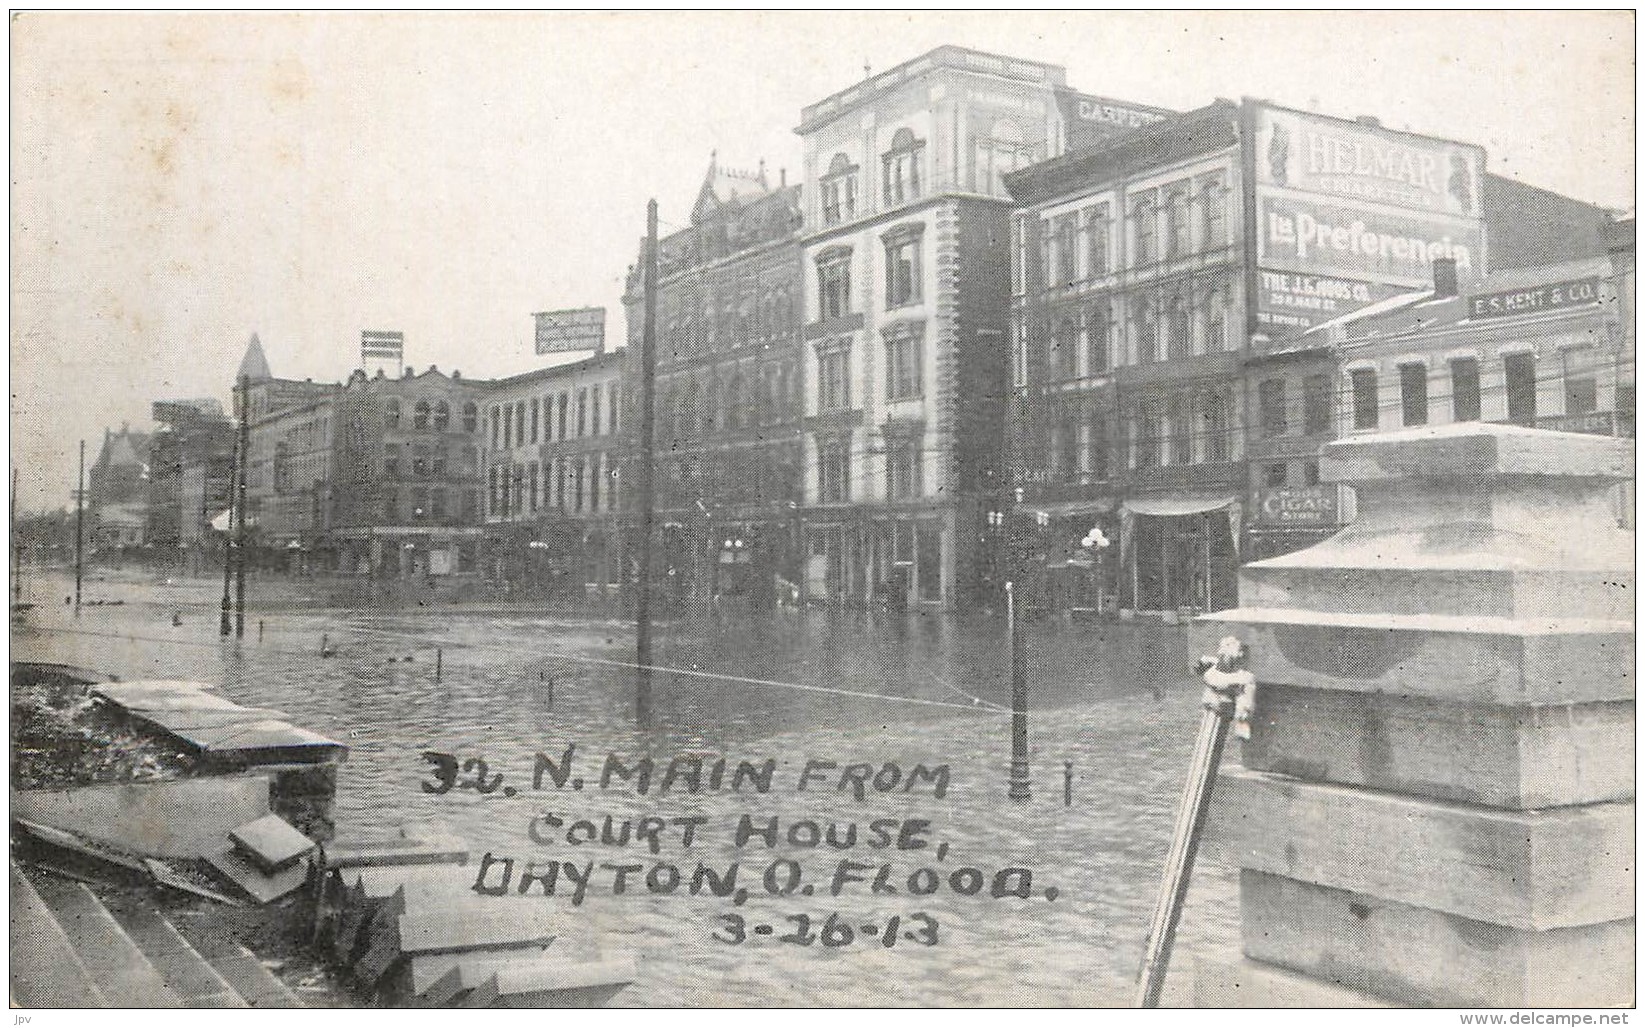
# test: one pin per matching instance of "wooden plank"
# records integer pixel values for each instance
(1427, 958)
(1468, 659)
(1231, 981)
(1500, 756)
(556, 982)
(1533, 869)
(84, 847)
(393, 852)
(172, 880)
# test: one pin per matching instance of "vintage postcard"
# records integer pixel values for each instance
(823, 509)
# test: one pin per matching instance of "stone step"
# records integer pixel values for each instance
(256, 984)
(187, 973)
(45, 971)
(119, 968)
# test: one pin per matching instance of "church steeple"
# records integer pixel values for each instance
(254, 365)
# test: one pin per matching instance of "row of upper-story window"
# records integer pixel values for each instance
(903, 268)
(420, 461)
(755, 475)
(1188, 320)
(903, 368)
(903, 468)
(432, 415)
(1276, 414)
(701, 405)
(905, 174)
(556, 416)
(1522, 389)
(1165, 222)
(1186, 427)
(571, 484)
(295, 472)
(435, 506)
(692, 327)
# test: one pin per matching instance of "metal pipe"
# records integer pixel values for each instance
(648, 414)
(1179, 860)
(1019, 698)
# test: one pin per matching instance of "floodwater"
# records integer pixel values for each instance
(1113, 715)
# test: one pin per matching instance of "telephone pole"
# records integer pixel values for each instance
(240, 533)
(226, 623)
(648, 414)
(17, 547)
(79, 528)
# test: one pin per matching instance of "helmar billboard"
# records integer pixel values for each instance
(1348, 213)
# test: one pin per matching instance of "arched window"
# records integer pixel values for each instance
(1143, 214)
(471, 417)
(839, 191)
(901, 182)
(1097, 339)
(391, 413)
(1065, 342)
(442, 415)
(1145, 330)
(419, 415)
(1002, 152)
(1181, 231)
(1214, 201)
(1180, 325)
(711, 408)
(734, 403)
(688, 410)
(1216, 322)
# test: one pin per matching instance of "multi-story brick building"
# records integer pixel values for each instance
(117, 494)
(191, 456)
(1164, 383)
(407, 476)
(1128, 342)
(288, 464)
(730, 376)
(906, 267)
(1543, 347)
(554, 446)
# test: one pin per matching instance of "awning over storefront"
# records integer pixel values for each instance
(1177, 506)
(1073, 508)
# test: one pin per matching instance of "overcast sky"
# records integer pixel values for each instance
(180, 182)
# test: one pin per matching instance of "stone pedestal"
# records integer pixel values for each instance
(1437, 803)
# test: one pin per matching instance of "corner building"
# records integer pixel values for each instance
(906, 267)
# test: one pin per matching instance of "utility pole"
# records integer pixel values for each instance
(648, 414)
(240, 532)
(225, 624)
(17, 547)
(79, 528)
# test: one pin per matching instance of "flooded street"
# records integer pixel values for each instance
(1112, 706)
